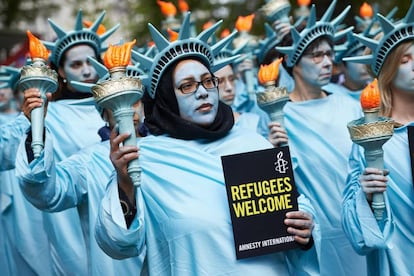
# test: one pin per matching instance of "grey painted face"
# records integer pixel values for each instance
(77, 66)
(201, 106)
(317, 74)
(404, 79)
(6, 97)
(357, 72)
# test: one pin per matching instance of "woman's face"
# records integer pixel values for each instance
(77, 67)
(404, 78)
(357, 72)
(201, 106)
(6, 97)
(227, 90)
(316, 66)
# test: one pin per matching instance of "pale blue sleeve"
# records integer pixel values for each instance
(52, 187)
(358, 221)
(111, 231)
(10, 136)
(306, 262)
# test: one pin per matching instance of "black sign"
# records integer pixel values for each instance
(260, 191)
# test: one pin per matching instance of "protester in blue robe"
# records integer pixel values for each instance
(73, 123)
(178, 216)
(55, 186)
(316, 125)
(388, 242)
(24, 246)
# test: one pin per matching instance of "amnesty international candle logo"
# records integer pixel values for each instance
(260, 190)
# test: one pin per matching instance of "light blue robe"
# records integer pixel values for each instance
(251, 121)
(320, 143)
(337, 88)
(78, 181)
(74, 125)
(183, 223)
(24, 246)
(388, 244)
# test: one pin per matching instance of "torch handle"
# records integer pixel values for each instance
(279, 117)
(375, 159)
(37, 125)
(126, 124)
(248, 76)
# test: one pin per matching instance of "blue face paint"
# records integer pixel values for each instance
(201, 106)
(317, 74)
(404, 79)
(77, 66)
(357, 72)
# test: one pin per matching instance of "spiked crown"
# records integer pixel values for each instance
(79, 35)
(313, 30)
(184, 46)
(9, 76)
(229, 51)
(394, 34)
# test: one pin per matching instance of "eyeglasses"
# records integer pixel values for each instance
(192, 86)
(318, 56)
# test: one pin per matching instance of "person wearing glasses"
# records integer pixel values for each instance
(180, 221)
(316, 124)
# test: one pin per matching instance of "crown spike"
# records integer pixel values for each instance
(144, 61)
(98, 22)
(360, 59)
(184, 32)
(312, 17)
(386, 25)
(59, 31)
(341, 16)
(218, 64)
(216, 48)
(269, 30)
(295, 35)
(108, 33)
(328, 13)
(78, 21)
(343, 32)
(99, 67)
(368, 42)
(206, 34)
(409, 17)
(160, 41)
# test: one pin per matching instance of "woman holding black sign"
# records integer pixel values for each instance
(179, 216)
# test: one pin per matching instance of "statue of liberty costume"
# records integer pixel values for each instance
(388, 243)
(320, 144)
(183, 224)
(24, 245)
(73, 125)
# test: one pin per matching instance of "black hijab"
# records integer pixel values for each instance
(162, 114)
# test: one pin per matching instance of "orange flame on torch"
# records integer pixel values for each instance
(167, 8)
(183, 6)
(118, 55)
(269, 73)
(173, 35)
(304, 2)
(101, 28)
(366, 10)
(244, 23)
(207, 25)
(224, 33)
(36, 47)
(370, 96)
